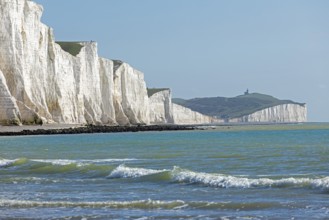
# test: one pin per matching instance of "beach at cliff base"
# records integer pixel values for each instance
(85, 129)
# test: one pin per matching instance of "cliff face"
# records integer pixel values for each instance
(161, 111)
(184, 115)
(280, 114)
(9, 113)
(40, 82)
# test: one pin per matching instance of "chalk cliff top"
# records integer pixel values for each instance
(223, 107)
(152, 91)
(72, 48)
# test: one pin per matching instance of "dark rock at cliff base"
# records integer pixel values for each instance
(99, 129)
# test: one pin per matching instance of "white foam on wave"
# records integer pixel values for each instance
(6, 163)
(127, 172)
(61, 162)
(227, 181)
(64, 162)
(322, 183)
(142, 204)
(108, 160)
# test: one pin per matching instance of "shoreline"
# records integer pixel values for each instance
(88, 129)
(59, 129)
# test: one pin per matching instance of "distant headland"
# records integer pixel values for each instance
(249, 107)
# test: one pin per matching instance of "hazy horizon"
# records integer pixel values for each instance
(210, 48)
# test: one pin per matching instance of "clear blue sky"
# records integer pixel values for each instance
(207, 48)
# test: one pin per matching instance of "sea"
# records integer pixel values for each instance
(225, 172)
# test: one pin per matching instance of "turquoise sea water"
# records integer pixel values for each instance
(239, 174)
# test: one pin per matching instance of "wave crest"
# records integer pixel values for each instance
(127, 172)
(4, 163)
(143, 204)
(64, 162)
(61, 162)
(227, 181)
(103, 168)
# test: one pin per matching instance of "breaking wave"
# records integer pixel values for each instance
(61, 162)
(108, 168)
(4, 163)
(75, 168)
(81, 162)
(123, 171)
(219, 180)
(227, 181)
(143, 204)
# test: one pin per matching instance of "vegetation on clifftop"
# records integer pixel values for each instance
(152, 91)
(239, 106)
(72, 48)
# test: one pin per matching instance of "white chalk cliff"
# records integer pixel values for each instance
(40, 82)
(284, 113)
(184, 115)
(9, 113)
(161, 110)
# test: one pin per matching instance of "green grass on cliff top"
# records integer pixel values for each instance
(152, 91)
(239, 106)
(72, 48)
